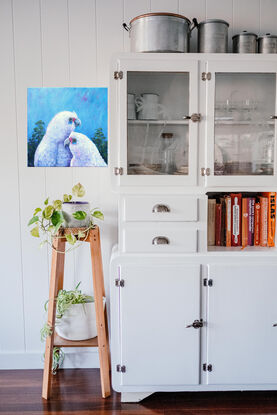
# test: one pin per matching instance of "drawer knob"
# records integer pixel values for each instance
(160, 208)
(160, 240)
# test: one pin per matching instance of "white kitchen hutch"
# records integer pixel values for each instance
(215, 132)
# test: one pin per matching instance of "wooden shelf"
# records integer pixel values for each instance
(248, 249)
(60, 342)
(158, 122)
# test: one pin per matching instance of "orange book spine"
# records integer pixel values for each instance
(244, 222)
(271, 218)
(257, 216)
(263, 220)
(218, 224)
(228, 220)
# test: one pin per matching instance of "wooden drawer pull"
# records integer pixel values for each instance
(160, 208)
(160, 240)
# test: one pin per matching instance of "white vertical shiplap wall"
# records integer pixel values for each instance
(66, 43)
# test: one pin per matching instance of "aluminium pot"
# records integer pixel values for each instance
(160, 32)
(245, 42)
(213, 36)
(267, 43)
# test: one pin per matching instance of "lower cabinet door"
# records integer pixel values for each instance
(157, 302)
(242, 308)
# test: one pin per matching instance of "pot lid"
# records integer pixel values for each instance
(213, 21)
(268, 35)
(160, 14)
(245, 33)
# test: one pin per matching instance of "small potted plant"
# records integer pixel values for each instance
(75, 316)
(50, 219)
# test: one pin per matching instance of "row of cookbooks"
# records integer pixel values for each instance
(239, 219)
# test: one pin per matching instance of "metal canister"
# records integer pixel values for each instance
(267, 43)
(213, 36)
(160, 32)
(245, 42)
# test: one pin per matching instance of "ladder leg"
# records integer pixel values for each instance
(102, 332)
(56, 283)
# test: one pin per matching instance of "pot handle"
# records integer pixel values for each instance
(126, 27)
(194, 24)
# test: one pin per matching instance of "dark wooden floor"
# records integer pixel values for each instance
(78, 392)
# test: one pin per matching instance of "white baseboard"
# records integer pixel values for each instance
(87, 358)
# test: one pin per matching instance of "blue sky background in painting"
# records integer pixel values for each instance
(90, 105)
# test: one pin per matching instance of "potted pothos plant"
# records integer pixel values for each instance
(75, 320)
(48, 221)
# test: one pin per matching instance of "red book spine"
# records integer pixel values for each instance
(218, 224)
(244, 224)
(250, 208)
(257, 225)
(236, 219)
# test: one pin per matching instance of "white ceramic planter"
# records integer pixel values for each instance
(78, 322)
(71, 207)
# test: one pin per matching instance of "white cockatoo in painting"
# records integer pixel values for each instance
(51, 151)
(84, 151)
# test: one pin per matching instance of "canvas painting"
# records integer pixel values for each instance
(67, 127)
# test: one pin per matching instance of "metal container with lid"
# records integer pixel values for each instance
(160, 32)
(213, 36)
(267, 43)
(245, 42)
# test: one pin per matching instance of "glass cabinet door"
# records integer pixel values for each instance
(156, 122)
(241, 123)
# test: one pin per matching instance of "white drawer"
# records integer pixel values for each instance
(157, 238)
(159, 208)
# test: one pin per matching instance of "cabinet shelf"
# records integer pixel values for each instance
(159, 122)
(232, 122)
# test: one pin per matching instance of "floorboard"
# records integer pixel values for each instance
(78, 391)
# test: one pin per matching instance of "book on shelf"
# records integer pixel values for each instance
(251, 212)
(218, 221)
(228, 220)
(244, 222)
(271, 217)
(257, 225)
(211, 221)
(263, 220)
(223, 222)
(236, 219)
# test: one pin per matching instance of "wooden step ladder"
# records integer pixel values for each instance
(56, 284)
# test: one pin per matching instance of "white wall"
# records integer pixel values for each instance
(66, 43)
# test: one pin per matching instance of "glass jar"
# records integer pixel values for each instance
(168, 153)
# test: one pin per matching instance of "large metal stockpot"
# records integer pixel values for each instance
(245, 42)
(267, 43)
(160, 32)
(213, 36)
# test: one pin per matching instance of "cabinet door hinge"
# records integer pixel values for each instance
(208, 367)
(119, 283)
(118, 171)
(118, 75)
(207, 282)
(206, 76)
(205, 171)
(120, 368)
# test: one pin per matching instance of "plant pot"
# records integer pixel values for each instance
(71, 207)
(78, 322)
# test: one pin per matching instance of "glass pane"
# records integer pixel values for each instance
(158, 134)
(244, 129)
